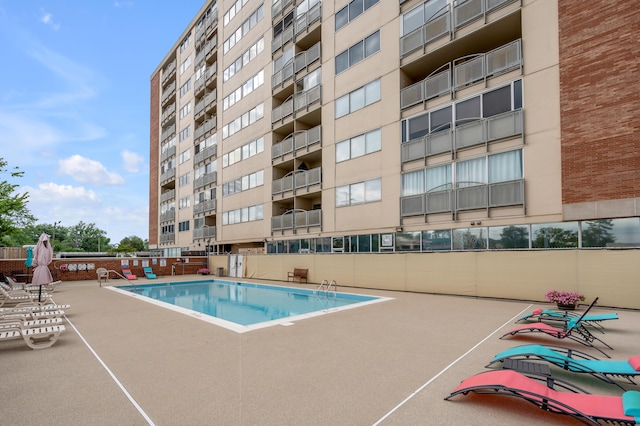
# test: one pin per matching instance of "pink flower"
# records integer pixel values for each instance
(564, 297)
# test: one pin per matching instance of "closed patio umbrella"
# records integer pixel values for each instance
(29, 262)
(42, 256)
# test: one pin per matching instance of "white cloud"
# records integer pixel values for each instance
(131, 161)
(47, 19)
(85, 170)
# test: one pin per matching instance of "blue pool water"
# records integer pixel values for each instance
(245, 303)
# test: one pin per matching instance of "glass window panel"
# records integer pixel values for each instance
(342, 17)
(517, 94)
(468, 110)
(611, 233)
(372, 92)
(509, 237)
(364, 243)
(342, 106)
(342, 62)
(369, 3)
(505, 166)
(555, 235)
(356, 100)
(372, 44)
(408, 241)
(441, 119)
(471, 172)
(342, 196)
(356, 53)
(342, 151)
(355, 9)
(412, 19)
(438, 178)
(413, 183)
(357, 146)
(373, 190)
(418, 126)
(470, 239)
(357, 191)
(496, 102)
(436, 240)
(374, 141)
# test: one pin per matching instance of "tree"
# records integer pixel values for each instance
(598, 233)
(132, 244)
(13, 206)
(514, 237)
(86, 237)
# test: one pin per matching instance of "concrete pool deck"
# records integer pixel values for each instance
(123, 361)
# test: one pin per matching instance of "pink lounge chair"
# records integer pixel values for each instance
(587, 408)
(127, 273)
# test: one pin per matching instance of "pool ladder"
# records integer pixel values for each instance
(326, 285)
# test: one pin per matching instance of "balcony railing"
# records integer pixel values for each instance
(205, 128)
(168, 91)
(209, 23)
(205, 51)
(296, 102)
(447, 22)
(204, 232)
(168, 175)
(472, 133)
(167, 132)
(466, 71)
(205, 102)
(168, 195)
(168, 216)
(482, 196)
(205, 206)
(279, 6)
(297, 180)
(167, 238)
(300, 25)
(296, 141)
(206, 153)
(168, 112)
(301, 61)
(209, 72)
(168, 71)
(170, 152)
(209, 178)
(297, 220)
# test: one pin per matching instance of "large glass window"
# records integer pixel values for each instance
(470, 238)
(358, 99)
(555, 235)
(351, 11)
(359, 193)
(358, 146)
(509, 237)
(439, 240)
(471, 172)
(505, 166)
(611, 233)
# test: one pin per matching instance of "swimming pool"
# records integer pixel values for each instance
(244, 306)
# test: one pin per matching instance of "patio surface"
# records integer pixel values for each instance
(123, 361)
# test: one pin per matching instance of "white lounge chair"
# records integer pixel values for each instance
(21, 296)
(38, 334)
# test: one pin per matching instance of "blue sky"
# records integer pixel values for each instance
(74, 104)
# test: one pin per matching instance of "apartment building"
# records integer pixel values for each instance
(379, 126)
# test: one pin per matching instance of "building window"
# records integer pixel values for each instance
(185, 110)
(184, 133)
(184, 89)
(358, 99)
(352, 11)
(185, 65)
(184, 156)
(243, 59)
(184, 203)
(183, 226)
(421, 14)
(233, 10)
(359, 51)
(183, 180)
(244, 183)
(185, 43)
(247, 87)
(359, 193)
(243, 121)
(243, 152)
(245, 214)
(243, 29)
(359, 145)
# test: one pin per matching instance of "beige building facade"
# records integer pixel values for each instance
(371, 126)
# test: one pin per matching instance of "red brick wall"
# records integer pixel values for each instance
(154, 160)
(17, 266)
(599, 99)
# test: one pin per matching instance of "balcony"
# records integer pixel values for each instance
(208, 25)
(167, 132)
(168, 175)
(297, 180)
(205, 103)
(205, 51)
(167, 114)
(206, 206)
(297, 220)
(466, 71)
(209, 178)
(296, 103)
(206, 79)
(168, 195)
(204, 232)
(451, 19)
(280, 6)
(205, 154)
(167, 238)
(168, 92)
(168, 153)
(168, 72)
(483, 196)
(205, 129)
(168, 216)
(301, 62)
(482, 131)
(301, 24)
(296, 142)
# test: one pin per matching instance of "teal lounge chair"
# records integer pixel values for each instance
(549, 315)
(575, 361)
(148, 272)
(574, 330)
